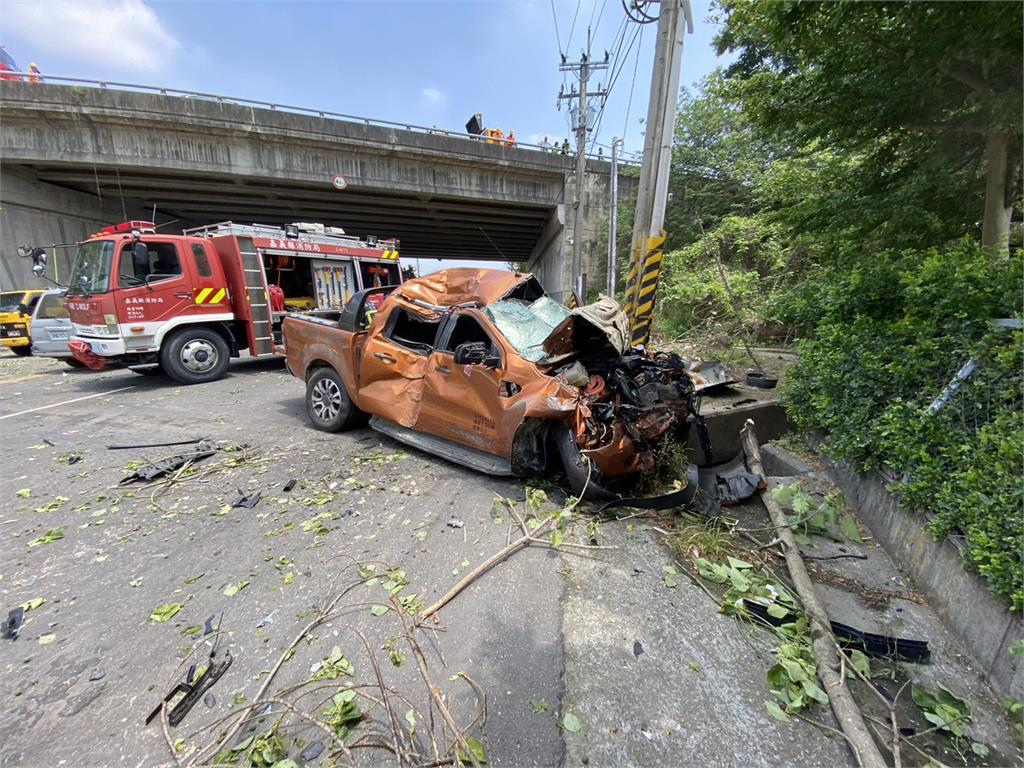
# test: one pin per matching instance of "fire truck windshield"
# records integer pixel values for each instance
(93, 265)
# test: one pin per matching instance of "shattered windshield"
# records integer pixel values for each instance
(527, 324)
(91, 272)
(9, 301)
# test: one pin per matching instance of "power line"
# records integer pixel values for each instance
(573, 26)
(629, 106)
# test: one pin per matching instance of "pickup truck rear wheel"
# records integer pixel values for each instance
(328, 403)
(195, 356)
(23, 351)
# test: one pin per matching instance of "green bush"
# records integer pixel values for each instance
(891, 333)
(693, 297)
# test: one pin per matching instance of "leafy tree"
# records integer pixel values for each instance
(907, 84)
(717, 161)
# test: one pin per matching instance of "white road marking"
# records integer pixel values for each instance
(65, 402)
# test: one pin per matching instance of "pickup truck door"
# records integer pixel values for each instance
(394, 360)
(463, 403)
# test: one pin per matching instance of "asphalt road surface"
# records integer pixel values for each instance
(90, 663)
(651, 675)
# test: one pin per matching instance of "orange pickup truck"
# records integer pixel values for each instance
(482, 368)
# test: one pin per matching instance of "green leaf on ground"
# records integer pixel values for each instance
(24, 493)
(848, 525)
(776, 711)
(669, 576)
(165, 612)
(35, 602)
(476, 748)
(571, 723)
(539, 706)
(410, 719)
(193, 630)
(379, 610)
(777, 611)
(860, 662)
(47, 639)
(54, 534)
(233, 589)
(194, 579)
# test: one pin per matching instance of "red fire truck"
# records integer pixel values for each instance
(186, 303)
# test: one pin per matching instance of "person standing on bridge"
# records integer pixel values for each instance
(565, 147)
(511, 140)
(33, 74)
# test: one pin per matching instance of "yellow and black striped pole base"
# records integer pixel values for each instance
(640, 306)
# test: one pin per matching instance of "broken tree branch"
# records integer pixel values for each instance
(846, 710)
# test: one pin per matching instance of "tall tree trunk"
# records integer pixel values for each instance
(995, 227)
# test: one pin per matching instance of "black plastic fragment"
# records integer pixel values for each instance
(637, 648)
(289, 485)
(312, 752)
(247, 501)
(870, 644)
(154, 445)
(162, 467)
(74, 459)
(11, 627)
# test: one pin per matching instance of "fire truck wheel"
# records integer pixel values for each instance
(23, 351)
(195, 355)
(328, 403)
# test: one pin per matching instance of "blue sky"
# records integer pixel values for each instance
(430, 63)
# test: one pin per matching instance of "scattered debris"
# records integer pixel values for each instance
(155, 445)
(455, 523)
(761, 380)
(868, 643)
(246, 501)
(289, 485)
(637, 648)
(152, 470)
(193, 689)
(97, 674)
(11, 627)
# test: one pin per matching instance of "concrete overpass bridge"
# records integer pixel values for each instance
(74, 158)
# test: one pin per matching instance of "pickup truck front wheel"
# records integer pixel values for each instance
(328, 403)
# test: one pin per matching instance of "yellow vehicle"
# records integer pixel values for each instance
(15, 315)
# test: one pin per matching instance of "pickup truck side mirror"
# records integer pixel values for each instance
(476, 353)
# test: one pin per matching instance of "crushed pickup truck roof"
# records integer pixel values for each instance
(462, 285)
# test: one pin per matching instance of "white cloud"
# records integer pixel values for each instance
(125, 35)
(433, 95)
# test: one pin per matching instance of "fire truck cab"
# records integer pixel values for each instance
(185, 304)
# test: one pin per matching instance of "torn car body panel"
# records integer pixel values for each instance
(483, 359)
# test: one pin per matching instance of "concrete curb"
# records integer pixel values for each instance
(961, 598)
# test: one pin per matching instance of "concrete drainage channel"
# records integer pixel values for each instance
(657, 675)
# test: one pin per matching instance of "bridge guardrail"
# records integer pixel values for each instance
(168, 91)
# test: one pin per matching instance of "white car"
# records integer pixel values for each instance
(51, 329)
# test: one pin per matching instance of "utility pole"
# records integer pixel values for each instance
(613, 218)
(583, 68)
(674, 21)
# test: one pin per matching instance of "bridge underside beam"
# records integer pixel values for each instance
(428, 226)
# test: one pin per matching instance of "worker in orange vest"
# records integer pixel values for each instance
(33, 74)
(511, 140)
(499, 135)
(489, 135)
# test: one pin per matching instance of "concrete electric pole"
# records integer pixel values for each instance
(613, 220)
(674, 21)
(583, 68)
